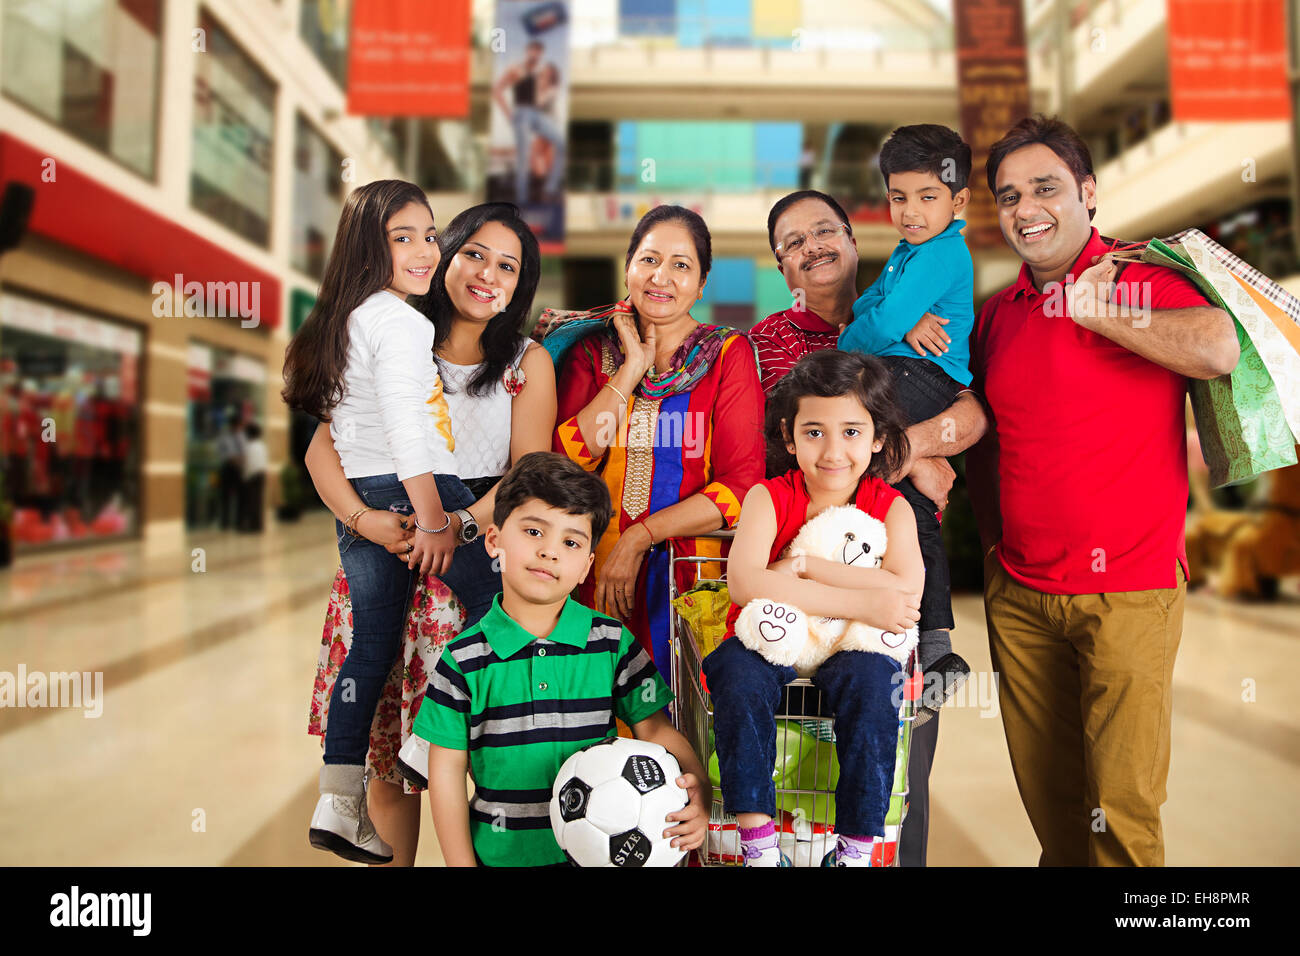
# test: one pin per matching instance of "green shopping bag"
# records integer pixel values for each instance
(1239, 416)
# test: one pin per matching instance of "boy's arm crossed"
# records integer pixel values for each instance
(450, 804)
(693, 819)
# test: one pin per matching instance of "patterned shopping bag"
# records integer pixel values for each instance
(1248, 419)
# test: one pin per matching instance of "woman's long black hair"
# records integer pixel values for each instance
(829, 374)
(359, 266)
(504, 333)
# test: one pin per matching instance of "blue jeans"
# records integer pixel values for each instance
(858, 688)
(380, 587)
(924, 390)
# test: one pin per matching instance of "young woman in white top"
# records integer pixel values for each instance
(501, 392)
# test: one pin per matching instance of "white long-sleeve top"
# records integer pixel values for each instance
(393, 417)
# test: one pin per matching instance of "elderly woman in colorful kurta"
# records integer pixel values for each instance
(669, 411)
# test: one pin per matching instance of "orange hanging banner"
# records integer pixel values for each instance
(1228, 61)
(409, 58)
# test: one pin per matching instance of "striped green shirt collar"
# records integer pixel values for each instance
(507, 637)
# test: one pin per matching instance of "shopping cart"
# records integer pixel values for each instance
(806, 767)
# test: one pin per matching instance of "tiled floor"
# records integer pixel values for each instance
(200, 755)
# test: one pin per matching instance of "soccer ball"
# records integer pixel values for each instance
(609, 803)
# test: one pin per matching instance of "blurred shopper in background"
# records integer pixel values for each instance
(230, 474)
(1081, 493)
(253, 467)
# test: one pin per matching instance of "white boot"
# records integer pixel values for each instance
(340, 822)
(413, 761)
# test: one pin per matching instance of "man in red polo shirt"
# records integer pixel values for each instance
(1080, 489)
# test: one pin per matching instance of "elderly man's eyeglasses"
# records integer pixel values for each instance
(793, 244)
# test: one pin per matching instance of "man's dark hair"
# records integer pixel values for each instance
(556, 481)
(252, 431)
(927, 148)
(785, 202)
(1053, 133)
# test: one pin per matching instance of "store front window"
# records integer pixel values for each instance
(90, 66)
(234, 119)
(227, 391)
(318, 198)
(70, 433)
(323, 26)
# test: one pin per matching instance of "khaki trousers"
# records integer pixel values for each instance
(1085, 687)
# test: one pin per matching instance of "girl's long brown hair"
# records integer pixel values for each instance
(359, 266)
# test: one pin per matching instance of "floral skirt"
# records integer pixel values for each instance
(435, 617)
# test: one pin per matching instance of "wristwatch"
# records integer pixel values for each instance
(468, 526)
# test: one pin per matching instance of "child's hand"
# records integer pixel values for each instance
(388, 529)
(693, 819)
(928, 332)
(431, 553)
(891, 610)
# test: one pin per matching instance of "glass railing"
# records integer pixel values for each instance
(591, 30)
(854, 184)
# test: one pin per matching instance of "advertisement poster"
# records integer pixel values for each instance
(403, 62)
(530, 114)
(1227, 61)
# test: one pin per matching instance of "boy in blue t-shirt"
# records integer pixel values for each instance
(923, 302)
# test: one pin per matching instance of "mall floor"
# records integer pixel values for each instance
(200, 756)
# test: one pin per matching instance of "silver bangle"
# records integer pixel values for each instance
(445, 525)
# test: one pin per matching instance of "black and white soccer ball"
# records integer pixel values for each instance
(609, 802)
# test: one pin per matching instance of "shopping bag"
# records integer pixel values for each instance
(704, 610)
(1245, 423)
(1268, 313)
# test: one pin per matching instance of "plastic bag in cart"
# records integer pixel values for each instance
(704, 611)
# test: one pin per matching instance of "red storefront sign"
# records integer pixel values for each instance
(1228, 60)
(75, 210)
(993, 93)
(409, 58)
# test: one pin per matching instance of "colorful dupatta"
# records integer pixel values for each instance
(559, 330)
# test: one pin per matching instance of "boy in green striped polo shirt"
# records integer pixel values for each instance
(539, 678)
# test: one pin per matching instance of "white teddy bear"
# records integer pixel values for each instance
(785, 635)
